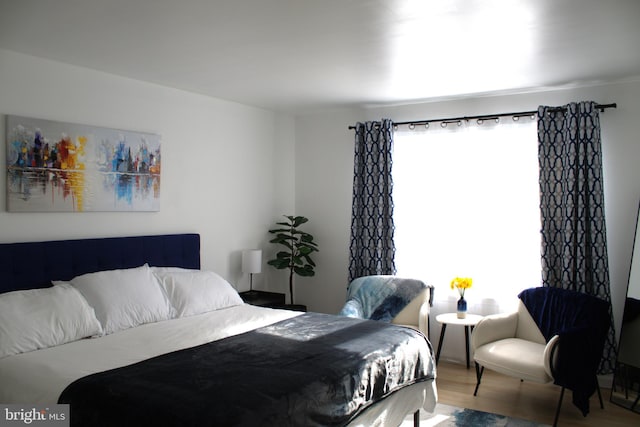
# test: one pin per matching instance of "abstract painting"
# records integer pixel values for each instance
(65, 167)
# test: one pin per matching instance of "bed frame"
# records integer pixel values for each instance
(35, 264)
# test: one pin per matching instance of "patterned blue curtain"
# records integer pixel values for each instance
(574, 241)
(372, 249)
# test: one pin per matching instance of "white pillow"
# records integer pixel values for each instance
(195, 292)
(124, 298)
(161, 270)
(41, 318)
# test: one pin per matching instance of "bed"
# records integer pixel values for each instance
(140, 334)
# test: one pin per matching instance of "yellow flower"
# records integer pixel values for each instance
(462, 284)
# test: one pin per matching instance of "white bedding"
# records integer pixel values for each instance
(40, 376)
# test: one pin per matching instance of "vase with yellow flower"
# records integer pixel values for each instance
(461, 284)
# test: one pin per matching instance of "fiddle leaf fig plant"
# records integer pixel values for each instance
(299, 246)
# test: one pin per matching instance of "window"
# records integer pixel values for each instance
(467, 204)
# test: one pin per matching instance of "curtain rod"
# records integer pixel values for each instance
(601, 107)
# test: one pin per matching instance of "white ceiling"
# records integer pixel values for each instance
(305, 55)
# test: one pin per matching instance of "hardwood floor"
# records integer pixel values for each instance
(509, 396)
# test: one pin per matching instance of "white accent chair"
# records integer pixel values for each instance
(513, 345)
(375, 289)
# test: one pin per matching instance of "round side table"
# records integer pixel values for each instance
(468, 322)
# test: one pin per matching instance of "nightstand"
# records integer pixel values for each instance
(263, 298)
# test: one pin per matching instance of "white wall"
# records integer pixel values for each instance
(221, 173)
(324, 163)
(324, 181)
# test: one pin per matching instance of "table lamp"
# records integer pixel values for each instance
(251, 263)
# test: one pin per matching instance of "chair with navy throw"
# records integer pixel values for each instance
(556, 335)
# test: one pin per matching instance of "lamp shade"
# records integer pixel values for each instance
(252, 261)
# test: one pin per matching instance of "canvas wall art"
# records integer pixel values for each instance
(66, 167)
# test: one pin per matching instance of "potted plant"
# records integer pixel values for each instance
(299, 247)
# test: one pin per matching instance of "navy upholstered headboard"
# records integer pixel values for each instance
(35, 264)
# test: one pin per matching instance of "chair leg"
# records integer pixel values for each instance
(479, 372)
(416, 418)
(555, 421)
(599, 394)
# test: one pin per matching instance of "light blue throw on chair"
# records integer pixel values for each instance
(380, 297)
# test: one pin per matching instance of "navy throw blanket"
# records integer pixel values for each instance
(582, 322)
